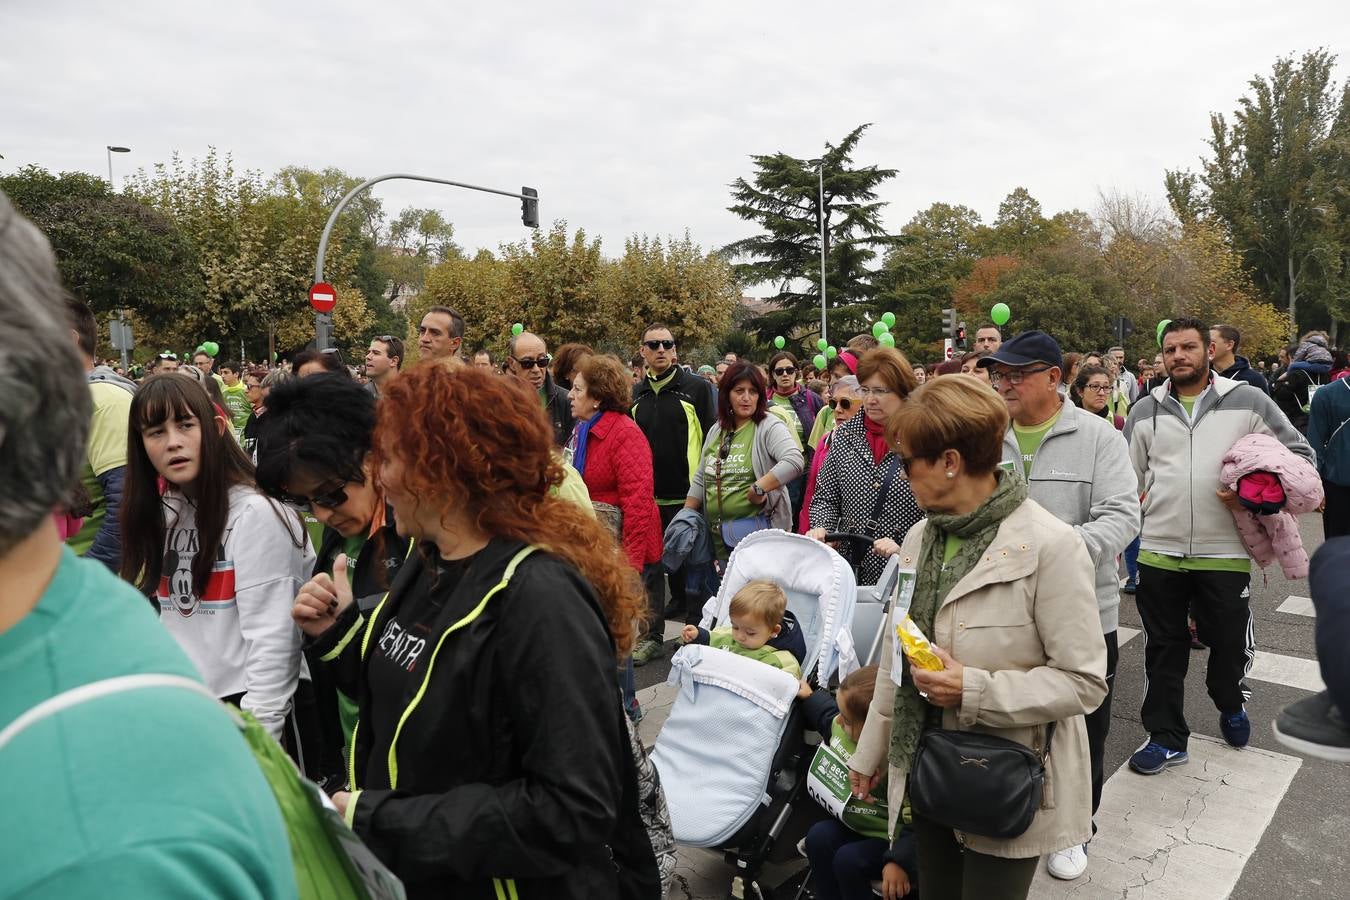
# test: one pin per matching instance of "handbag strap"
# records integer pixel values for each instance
(887, 478)
(1049, 735)
(722, 453)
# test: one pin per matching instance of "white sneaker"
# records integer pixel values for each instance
(1069, 864)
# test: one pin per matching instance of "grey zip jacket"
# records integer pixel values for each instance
(1177, 461)
(1081, 474)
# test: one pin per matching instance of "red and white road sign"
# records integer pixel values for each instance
(948, 346)
(322, 297)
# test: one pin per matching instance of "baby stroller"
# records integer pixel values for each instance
(733, 754)
(874, 600)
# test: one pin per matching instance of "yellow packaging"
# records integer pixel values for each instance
(916, 646)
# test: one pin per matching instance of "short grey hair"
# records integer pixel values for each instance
(274, 378)
(45, 416)
(848, 383)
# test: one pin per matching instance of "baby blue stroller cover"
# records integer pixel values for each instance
(716, 750)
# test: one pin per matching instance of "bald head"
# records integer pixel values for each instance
(528, 358)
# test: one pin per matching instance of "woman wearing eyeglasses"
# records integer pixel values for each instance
(313, 454)
(748, 459)
(844, 404)
(1092, 392)
(223, 561)
(860, 488)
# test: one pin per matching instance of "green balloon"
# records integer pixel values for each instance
(1161, 325)
(887, 339)
(878, 329)
(517, 329)
(779, 343)
(889, 319)
(1000, 314)
(211, 348)
(822, 344)
(819, 361)
(831, 353)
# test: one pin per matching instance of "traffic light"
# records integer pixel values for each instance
(529, 208)
(961, 336)
(949, 323)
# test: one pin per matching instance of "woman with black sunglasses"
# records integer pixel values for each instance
(748, 459)
(844, 403)
(313, 454)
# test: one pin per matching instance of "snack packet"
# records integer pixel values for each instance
(916, 646)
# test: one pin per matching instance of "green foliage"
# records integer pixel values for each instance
(114, 252)
(562, 288)
(1278, 182)
(784, 199)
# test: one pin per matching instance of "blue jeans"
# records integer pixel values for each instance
(843, 863)
(1132, 560)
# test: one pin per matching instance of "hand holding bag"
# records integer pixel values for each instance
(978, 783)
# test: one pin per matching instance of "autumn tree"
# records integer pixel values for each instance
(1278, 183)
(783, 198)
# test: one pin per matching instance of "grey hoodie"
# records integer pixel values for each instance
(1081, 474)
(105, 375)
(1177, 460)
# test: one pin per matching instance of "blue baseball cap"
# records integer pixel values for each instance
(1026, 349)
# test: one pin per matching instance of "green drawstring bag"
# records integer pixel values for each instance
(330, 861)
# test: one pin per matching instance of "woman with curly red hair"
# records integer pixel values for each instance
(491, 757)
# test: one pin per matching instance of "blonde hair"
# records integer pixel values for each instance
(762, 599)
(952, 414)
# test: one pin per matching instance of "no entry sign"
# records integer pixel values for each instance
(322, 297)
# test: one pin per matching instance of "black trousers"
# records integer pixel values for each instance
(1336, 517)
(1099, 724)
(949, 872)
(674, 579)
(1220, 603)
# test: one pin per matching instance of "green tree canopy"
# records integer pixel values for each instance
(784, 199)
(114, 252)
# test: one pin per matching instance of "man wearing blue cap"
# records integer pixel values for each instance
(1077, 467)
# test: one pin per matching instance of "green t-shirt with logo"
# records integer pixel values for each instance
(779, 400)
(1029, 439)
(728, 501)
(236, 401)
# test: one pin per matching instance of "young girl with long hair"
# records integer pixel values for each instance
(223, 561)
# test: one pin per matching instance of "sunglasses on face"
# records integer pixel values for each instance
(527, 363)
(659, 345)
(327, 499)
(785, 370)
(167, 355)
(844, 403)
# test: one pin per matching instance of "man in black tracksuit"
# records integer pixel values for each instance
(675, 409)
(528, 359)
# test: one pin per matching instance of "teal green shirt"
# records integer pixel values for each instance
(147, 794)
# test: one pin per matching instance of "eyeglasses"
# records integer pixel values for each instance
(252, 386)
(659, 345)
(327, 499)
(385, 337)
(1015, 377)
(1100, 388)
(844, 403)
(877, 392)
(906, 462)
(528, 363)
(785, 370)
(168, 354)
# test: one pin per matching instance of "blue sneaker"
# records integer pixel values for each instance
(1236, 727)
(1152, 758)
(1130, 586)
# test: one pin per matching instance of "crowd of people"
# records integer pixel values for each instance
(430, 581)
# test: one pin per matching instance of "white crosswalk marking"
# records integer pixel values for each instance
(1291, 671)
(1185, 833)
(1296, 605)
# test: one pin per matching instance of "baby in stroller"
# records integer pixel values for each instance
(760, 628)
(849, 853)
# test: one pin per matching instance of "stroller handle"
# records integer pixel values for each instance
(838, 536)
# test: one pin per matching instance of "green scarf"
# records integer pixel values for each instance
(933, 581)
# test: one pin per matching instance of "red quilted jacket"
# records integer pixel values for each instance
(619, 472)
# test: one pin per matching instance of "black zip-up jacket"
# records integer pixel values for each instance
(675, 418)
(512, 762)
(558, 407)
(378, 564)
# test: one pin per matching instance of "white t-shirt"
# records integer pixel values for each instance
(239, 632)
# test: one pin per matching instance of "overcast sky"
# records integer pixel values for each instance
(634, 117)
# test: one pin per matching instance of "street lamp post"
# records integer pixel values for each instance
(823, 333)
(111, 151)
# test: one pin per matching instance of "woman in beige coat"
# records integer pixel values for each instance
(1004, 591)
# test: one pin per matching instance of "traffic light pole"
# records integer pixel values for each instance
(529, 205)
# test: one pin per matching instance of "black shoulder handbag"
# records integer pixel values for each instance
(977, 783)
